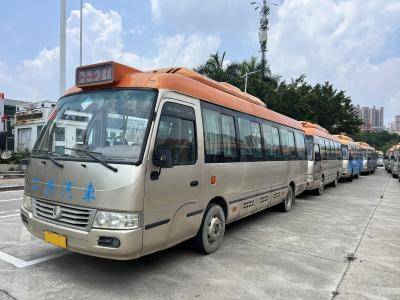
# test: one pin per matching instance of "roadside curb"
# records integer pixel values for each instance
(11, 188)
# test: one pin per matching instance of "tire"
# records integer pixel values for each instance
(319, 191)
(286, 205)
(211, 233)
(350, 179)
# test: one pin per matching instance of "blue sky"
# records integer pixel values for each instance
(354, 44)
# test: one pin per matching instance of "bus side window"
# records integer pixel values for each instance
(245, 138)
(268, 142)
(323, 149)
(229, 147)
(292, 146)
(177, 130)
(316, 150)
(256, 140)
(300, 146)
(212, 135)
(276, 148)
(284, 144)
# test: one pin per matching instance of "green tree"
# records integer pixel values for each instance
(321, 103)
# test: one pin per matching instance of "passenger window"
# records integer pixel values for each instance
(284, 143)
(245, 137)
(212, 135)
(323, 149)
(177, 131)
(292, 145)
(256, 139)
(268, 143)
(300, 146)
(276, 148)
(228, 136)
(316, 150)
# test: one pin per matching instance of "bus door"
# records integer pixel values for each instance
(171, 194)
(317, 161)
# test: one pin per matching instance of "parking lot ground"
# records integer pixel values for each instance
(344, 244)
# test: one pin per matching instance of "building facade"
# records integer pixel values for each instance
(29, 121)
(8, 108)
(372, 118)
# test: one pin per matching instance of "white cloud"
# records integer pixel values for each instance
(103, 39)
(342, 41)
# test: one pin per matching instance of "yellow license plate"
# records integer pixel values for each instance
(55, 239)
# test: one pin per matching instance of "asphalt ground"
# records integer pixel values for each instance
(344, 244)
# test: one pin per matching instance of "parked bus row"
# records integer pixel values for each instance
(131, 162)
(391, 161)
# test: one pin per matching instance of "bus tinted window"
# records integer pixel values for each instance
(245, 137)
(268, 141)
(178, 134)
(284, 143)
(345, 152)
(323, 149)
(276, 148)
(292, 145)
(212, 134)
(300, 146)
(256, 139)
(228, 136)
(310, 146)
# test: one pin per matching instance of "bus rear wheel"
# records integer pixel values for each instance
(287, 204)
(319, 191)
(212, 230)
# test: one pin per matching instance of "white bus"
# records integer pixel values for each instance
(192, 155)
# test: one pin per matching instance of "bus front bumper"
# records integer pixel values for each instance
(87, 242)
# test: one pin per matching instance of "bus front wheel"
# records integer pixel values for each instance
(212, 230)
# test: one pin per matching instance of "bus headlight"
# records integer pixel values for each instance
(116, 220)
(27, 202)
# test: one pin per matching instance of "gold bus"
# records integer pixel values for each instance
(324, 158)
(165, 156)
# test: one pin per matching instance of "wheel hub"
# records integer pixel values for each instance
(214, 229)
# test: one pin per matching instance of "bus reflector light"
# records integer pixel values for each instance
(213, 180)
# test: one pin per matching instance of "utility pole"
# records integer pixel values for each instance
(63, 42)
(246, 77)
(263, 7)
(264, 34)
(80, 35)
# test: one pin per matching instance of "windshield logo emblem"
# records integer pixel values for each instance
(57, 212)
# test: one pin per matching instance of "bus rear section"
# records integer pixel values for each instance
(128, 164)
(324, 158)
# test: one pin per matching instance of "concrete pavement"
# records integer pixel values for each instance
(302, 254)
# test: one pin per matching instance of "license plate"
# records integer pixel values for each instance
(55, 239)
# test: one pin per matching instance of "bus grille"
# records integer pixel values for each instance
(70, 216)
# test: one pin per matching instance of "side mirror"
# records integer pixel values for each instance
(165, 158)
(317, 156)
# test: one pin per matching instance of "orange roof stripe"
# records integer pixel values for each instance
(190, 83)
(345, 140)
(316, 130)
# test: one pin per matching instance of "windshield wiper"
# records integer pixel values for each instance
(99, 160)
(51, 158)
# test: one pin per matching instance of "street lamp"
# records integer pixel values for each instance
(246, 76)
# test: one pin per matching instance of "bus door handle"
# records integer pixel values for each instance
(194, 183)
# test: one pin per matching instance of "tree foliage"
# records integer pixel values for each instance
(298, 99)
(379, 140)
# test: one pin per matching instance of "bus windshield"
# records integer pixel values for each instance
(110, 124)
